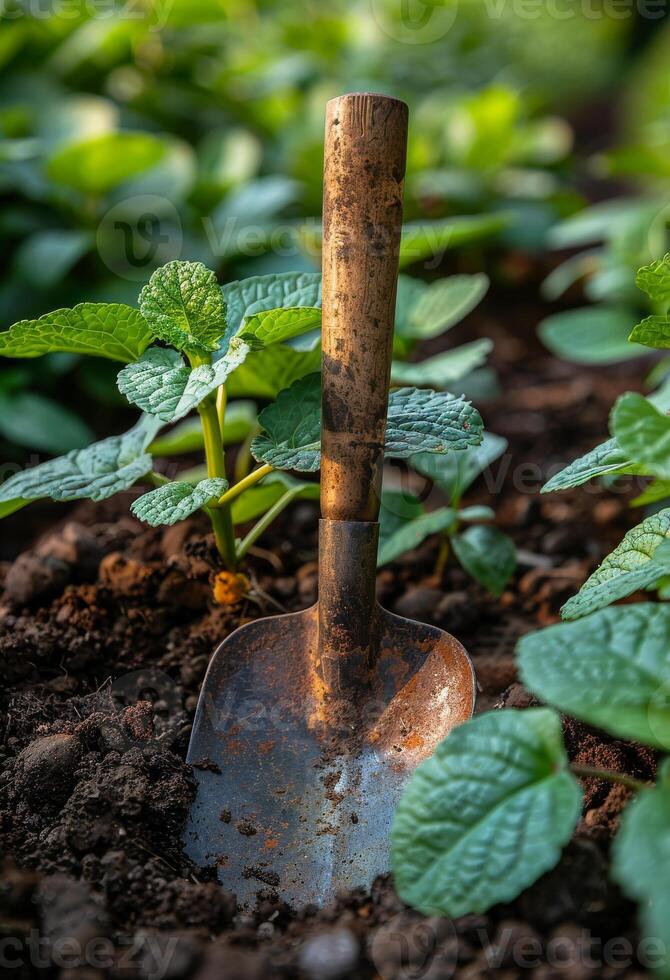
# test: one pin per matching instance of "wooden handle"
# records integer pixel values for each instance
(364, 169)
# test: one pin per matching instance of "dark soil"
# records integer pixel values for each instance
(106, 629)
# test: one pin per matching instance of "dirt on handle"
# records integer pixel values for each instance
(102, 657)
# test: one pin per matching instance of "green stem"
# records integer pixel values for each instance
(244, 484)
(591, 772)
(442, 557)
(158, 479)
(221, 518)
(265, 521)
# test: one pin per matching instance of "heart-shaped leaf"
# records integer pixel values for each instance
(111, 330)
(176, 501)
(97, 472)
(486, 815)
(183, 304)
(631, 566)
(486, 554)
(610, 669)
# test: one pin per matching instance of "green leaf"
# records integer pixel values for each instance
(187, 437)
(96, 166)
(430, 311)
(610, 670)
(257, 500)
(411, 533)
(183, 304)
(642, 432)
(421, 420)
(631, 566)
(44, 258)
(266, 372)
(276, 326)
(97, 472)
(418, 421)
(291, 436)
(653, 331)
(36, 422)
(111, 330)
(176, 501)
(654, 280)
(607, 458)
(161, 384)
(641, 861)
(591, 335)
(443, 369)
(486, 554)
(246, 297)
(655, 491)
(424, 239)
(454, 473)
(486, 815)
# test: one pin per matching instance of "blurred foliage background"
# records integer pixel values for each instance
(137, 131)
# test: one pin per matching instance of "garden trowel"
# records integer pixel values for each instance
(309, 724)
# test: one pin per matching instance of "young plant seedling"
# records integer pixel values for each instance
(484, 552)
(490, 811)
(182, 350)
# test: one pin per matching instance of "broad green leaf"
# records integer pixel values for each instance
(591, 335)
(183, 304)
(187, 437)
(176, 501)
(266, 372)
(476, 513)
(421, 420)
(246, 297)
(442, 369)
(96, 166)
(655, 491)
(486, 554)
(654, 331)
(8, 507)
(397, 508)
(291, 436)
(654, 280)
(31, 420)
(277, 326)
(257, 500)
(569, 272)
(161, 384)
(438, 306)
(418, 421)
(455, 472)
(97, 472)
(411, 533)
(486, 815)
(631, 566)
(44, 258)
(611, 670)
(111, 330)
(600, 222)
(408, 296)
(607, 458)
(642, 432)
(641, 861)
(424, 239)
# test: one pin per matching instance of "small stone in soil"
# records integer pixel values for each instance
(330, 955)
(32, 577)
